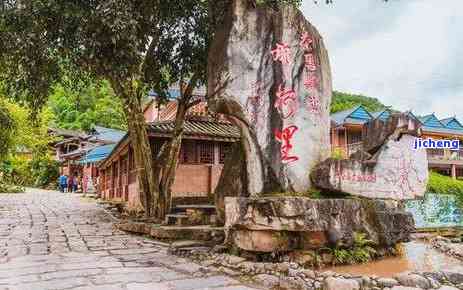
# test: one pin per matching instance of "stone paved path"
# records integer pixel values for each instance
(51, 240)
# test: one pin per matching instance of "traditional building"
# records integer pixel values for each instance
(74, 148)
(346, 136)
(205, 144)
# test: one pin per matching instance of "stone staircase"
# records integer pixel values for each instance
(191, 215)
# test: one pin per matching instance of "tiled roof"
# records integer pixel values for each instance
(356, 115)
(97, 154)
(447, 120)
(340, 116)
(107, 135)
(442, 130)
(204, 127)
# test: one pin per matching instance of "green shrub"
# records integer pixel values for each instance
(361, 251)
(442, 184)
(5, 188)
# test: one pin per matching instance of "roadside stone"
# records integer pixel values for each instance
(308, 273)
(413, 280)
(267, 280)
(340, 284)
(387, 282)
(454, 277)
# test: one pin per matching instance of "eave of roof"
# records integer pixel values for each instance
(193, 129)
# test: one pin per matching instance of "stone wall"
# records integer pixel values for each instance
(287, 223)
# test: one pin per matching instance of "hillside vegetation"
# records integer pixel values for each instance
(343, 101)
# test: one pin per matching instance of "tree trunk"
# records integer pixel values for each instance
(131, 96)
(171, 160)
(232, 181)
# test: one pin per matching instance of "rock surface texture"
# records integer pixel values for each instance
(273, 74)
(286, 223)
(389, 167)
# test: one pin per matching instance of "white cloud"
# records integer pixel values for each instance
(406, 53)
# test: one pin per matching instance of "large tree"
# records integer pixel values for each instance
(136, 45)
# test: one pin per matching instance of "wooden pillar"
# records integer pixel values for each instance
(217, 153)
(454, 171)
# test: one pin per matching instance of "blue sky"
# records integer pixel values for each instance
(407, 53)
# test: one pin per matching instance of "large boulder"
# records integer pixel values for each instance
(268, 70)
(387, 167)
(285, 223)
(397, 172)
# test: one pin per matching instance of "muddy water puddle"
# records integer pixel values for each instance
(418, 256)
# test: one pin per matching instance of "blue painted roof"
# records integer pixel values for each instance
(442, 130)
(452, 123)
(107, 134)
(357, 115)
(382, 115)
(97, 154)
(431, 121)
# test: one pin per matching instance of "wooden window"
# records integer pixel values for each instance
(224, 150)
(206, 152)
(188, 152)
(354, 137)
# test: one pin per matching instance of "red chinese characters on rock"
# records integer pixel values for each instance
(313, 104)
(404, 171)
(306, 41)
(254, 104)
(310, 81)
(285, 136)
(282, 53)
(309, 62)
(349, 176)
(286, 102)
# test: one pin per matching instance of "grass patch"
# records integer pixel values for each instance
(442, 184)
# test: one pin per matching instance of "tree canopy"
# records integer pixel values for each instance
(92, 104)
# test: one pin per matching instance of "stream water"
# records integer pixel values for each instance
(434, 210)
(418, 256)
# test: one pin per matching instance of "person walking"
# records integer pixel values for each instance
(63, 182)
(70, 183)
(85, 183)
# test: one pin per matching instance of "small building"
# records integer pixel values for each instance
(347, 126)
(73, 146)
(346, 129)
(445, 161)
(205, 144)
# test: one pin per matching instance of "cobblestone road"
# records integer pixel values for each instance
(51, 240)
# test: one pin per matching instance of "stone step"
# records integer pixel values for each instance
(157, 231)
(179, 219)
(202, 233)
(186, 244)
